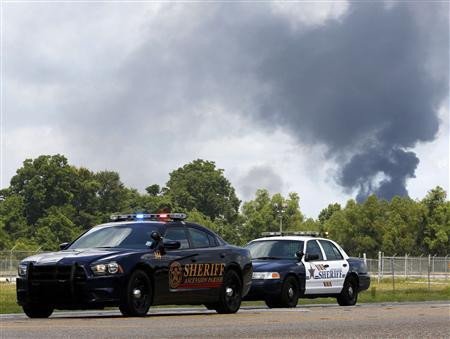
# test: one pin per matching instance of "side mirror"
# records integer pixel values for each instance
(310, 257)
(156, 236)
(63, 246)
(299, 255)
(171, 244)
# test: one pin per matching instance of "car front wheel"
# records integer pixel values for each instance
(137, 296)
(37, 310)
(288, 296)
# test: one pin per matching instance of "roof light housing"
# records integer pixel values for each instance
(149, 216)
(301, 233)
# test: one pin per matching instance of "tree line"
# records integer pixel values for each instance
(50, 202)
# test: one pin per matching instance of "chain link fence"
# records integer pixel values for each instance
(425, 266)
(9, 261)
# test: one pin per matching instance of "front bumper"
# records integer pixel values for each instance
(263, 289)
(71, 293)
(364, 282)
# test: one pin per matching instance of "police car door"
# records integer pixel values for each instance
(314, 268)
(170, 281)
(206, 272)
(337, 267)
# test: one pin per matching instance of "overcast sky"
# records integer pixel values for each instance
(332, 100)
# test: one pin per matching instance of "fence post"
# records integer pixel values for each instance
(10, 262)
(446, 267)
(406, 264)
(393, 273)
(432, 266)
(429, 271)
(379, 266)
(420, 264)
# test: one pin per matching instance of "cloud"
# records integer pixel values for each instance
(145, 88)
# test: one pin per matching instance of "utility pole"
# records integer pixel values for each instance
(280, 208)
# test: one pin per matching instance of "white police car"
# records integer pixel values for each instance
(289, 267)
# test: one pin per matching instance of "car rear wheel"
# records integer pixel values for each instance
(349, 294)
(37, 310)
(137, 296)
(230, 293)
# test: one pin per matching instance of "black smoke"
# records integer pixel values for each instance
(367, 85)
(362, 88)
(361, 85)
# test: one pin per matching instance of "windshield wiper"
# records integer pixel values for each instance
(266, 258)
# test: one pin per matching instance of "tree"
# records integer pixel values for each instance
(153, 190)
(326, 213)
(200, 185)
(44, 182)
(358, 227)
(56, 227)
(437, 222)
(112, 195)
(262, 214)
(12, 217)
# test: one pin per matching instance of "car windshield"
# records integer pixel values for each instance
(275, 249)
(134, 236)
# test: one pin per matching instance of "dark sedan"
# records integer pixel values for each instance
(136, 261)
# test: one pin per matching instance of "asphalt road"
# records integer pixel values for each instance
(419, 320)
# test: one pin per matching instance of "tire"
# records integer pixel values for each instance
(271, 303)
(137, 296)
(289, 293)
(349, 293)
(230, 294)
(37, 310)
(288, 297)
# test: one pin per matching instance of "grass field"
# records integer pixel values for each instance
(405, 290)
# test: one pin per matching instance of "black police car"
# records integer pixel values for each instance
(136, 261)
(286, 268)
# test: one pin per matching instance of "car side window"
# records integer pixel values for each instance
(331, 252)
(199, 238)
(312, 247)
(178, 234)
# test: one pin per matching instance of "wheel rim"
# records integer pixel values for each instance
(290, 292)
(232, 294)
(351, 292)
(140, 294)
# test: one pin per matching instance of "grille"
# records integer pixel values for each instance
(56, 272)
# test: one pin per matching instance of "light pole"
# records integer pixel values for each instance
(280, 208)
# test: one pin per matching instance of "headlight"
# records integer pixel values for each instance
(106, 268)
(22, 270)
(266, 275)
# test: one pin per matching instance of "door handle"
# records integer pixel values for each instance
(326, 265)
(193, 260)
(222, 255)
(344, 265)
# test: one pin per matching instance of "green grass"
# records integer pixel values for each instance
(405, 290)
(8, 302)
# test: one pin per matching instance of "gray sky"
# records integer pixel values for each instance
(332, 100)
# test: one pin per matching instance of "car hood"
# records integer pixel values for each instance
(80, 256)
(272, 265)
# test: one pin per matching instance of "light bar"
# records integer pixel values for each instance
(303, 233)
(149, 216)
